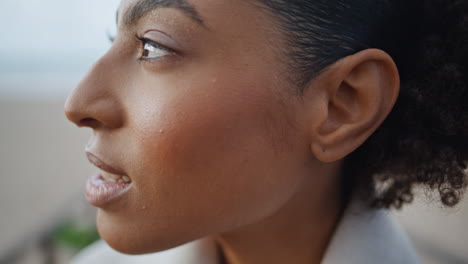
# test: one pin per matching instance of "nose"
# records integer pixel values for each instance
(95, 101)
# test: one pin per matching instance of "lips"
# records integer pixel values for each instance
(103, 166)
(107, 186)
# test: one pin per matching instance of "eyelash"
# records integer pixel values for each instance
(143, 42)
(110, 37)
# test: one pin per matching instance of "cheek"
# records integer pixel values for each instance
(217, 143)
(204, 161)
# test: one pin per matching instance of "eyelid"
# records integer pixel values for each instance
(144, 41)
(163, 39)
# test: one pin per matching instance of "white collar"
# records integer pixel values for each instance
(369, 236)
(364, 236)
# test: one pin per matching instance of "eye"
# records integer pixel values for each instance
(153, 50)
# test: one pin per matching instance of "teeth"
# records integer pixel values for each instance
(126, 179)
(109, 177)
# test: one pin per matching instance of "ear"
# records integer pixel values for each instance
(348, 101)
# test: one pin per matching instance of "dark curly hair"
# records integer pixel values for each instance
(424, 141)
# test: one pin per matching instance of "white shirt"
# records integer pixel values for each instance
(364, 236)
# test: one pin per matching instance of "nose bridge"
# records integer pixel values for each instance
(95, 101)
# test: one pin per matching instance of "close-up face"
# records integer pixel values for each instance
(191, 105)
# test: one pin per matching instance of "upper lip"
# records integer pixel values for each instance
(102, 165)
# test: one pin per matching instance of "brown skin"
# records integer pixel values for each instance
(213, 141)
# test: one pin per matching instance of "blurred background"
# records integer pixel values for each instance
(45, 48)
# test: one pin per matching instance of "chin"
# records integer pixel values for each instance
(133, 239)
(135, 244)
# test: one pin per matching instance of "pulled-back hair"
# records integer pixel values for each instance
(424, 141)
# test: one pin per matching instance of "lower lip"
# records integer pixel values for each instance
(100, 192)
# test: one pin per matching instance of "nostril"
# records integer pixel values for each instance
(88, 122)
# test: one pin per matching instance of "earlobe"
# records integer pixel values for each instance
(359, 92)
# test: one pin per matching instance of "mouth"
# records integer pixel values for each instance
(109, 173)
(105, 187)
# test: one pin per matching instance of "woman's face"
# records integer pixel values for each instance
(191, 104)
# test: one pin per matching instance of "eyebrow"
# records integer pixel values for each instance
(143, 7)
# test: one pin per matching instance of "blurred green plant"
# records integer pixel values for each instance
(75, 236)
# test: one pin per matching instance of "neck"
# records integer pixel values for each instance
(298, 233)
